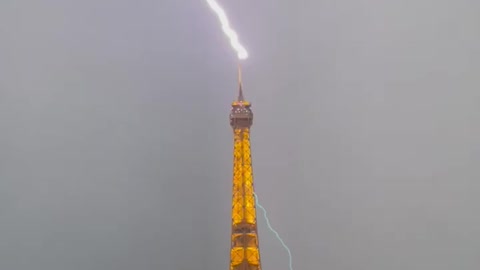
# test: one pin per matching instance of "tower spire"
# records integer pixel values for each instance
(240, 90)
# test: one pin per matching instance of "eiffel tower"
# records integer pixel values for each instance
(244, 250)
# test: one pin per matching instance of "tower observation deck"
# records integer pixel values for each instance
(244, 251)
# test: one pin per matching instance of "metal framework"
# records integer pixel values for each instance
(244, 252)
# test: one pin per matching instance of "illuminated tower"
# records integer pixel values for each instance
(244, 252)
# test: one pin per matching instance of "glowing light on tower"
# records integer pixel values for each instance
(231, 34)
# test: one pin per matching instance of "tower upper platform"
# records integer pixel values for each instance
(241, 116)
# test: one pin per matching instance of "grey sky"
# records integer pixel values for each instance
(116, 147)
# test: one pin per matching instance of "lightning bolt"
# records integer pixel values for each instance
(274, 232)
(229, 32)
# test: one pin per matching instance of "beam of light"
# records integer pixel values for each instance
(231, 34)
(274, 232)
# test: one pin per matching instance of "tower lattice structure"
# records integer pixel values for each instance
(244, 251)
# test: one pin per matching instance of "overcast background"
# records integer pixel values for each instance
(115, 146)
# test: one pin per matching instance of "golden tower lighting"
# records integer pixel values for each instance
(244, 251)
